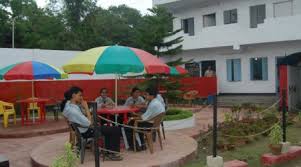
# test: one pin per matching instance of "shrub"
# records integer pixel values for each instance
(275, 135)
(236, 110)
(68, 159)
(228, 118)
(177, 114)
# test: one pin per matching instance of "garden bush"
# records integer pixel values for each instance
(177, 114)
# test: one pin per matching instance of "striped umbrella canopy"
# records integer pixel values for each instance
(31, 70)
(115, 60)
(177, 70)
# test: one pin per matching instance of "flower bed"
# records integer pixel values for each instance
(178, 119)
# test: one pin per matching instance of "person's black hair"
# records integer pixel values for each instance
(102, 89)
(134, 90)
(68, 95)
(152, 91)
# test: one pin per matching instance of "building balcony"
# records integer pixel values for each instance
(174, 5)
(236, 35)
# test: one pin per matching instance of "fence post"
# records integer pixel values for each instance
(93, 105)
(214, 125)
(284, 115)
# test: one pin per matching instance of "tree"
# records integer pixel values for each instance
(77, 10)
(5, 24)
(35, 27)
(117, 25)
(156, 33)
(130, 19)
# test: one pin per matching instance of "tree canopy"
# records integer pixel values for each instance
(81, 24)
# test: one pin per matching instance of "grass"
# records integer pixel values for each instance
(250, 152)
(177, 114)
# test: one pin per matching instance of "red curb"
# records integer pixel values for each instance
(36, 164)
(270, 159)
(34, 134)
(47, 128)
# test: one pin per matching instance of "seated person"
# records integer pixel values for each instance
(143, 107)
(76, 110)
(154, 108)
(160, 98)
(103, 101)
(135, 100)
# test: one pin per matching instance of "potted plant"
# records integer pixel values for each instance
(68, 159)
(275, 139)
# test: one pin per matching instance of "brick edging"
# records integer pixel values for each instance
(34, 134)
(36, 164)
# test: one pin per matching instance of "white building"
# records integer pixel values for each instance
(240, 39)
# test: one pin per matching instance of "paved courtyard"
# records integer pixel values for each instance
(18, 150)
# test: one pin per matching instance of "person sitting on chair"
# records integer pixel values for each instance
(154, 108)
(76, 110)
(160, 98)
(135, 100)
(103, 101)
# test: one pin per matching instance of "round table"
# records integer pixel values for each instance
(25, 103)
(118, 110)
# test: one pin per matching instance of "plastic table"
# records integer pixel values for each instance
(117, 111)
(25, 104)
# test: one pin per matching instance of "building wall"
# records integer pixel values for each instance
(234, 35)
(272, 51)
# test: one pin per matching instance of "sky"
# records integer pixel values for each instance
(141, 5)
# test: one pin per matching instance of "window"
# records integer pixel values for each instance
(209, 20)
(208, 66)
(233, 70)
(257, 15)
(188, 26)
(259, 68)
(230, 16)
(283, 9)
(193, 69)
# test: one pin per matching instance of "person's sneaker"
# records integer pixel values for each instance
(113, 157)
(143, 147)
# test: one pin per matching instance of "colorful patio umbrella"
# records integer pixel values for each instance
(177, 70)
(117, 60)
(31, 70)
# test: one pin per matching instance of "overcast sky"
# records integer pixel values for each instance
(141, 5)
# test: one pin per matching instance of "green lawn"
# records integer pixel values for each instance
(250, 152)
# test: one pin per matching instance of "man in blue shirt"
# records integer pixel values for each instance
(154, 108)
(76, 110)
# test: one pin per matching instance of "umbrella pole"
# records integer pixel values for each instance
(32, 95)
(32, 89)
(116, 100)
(116, 85)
